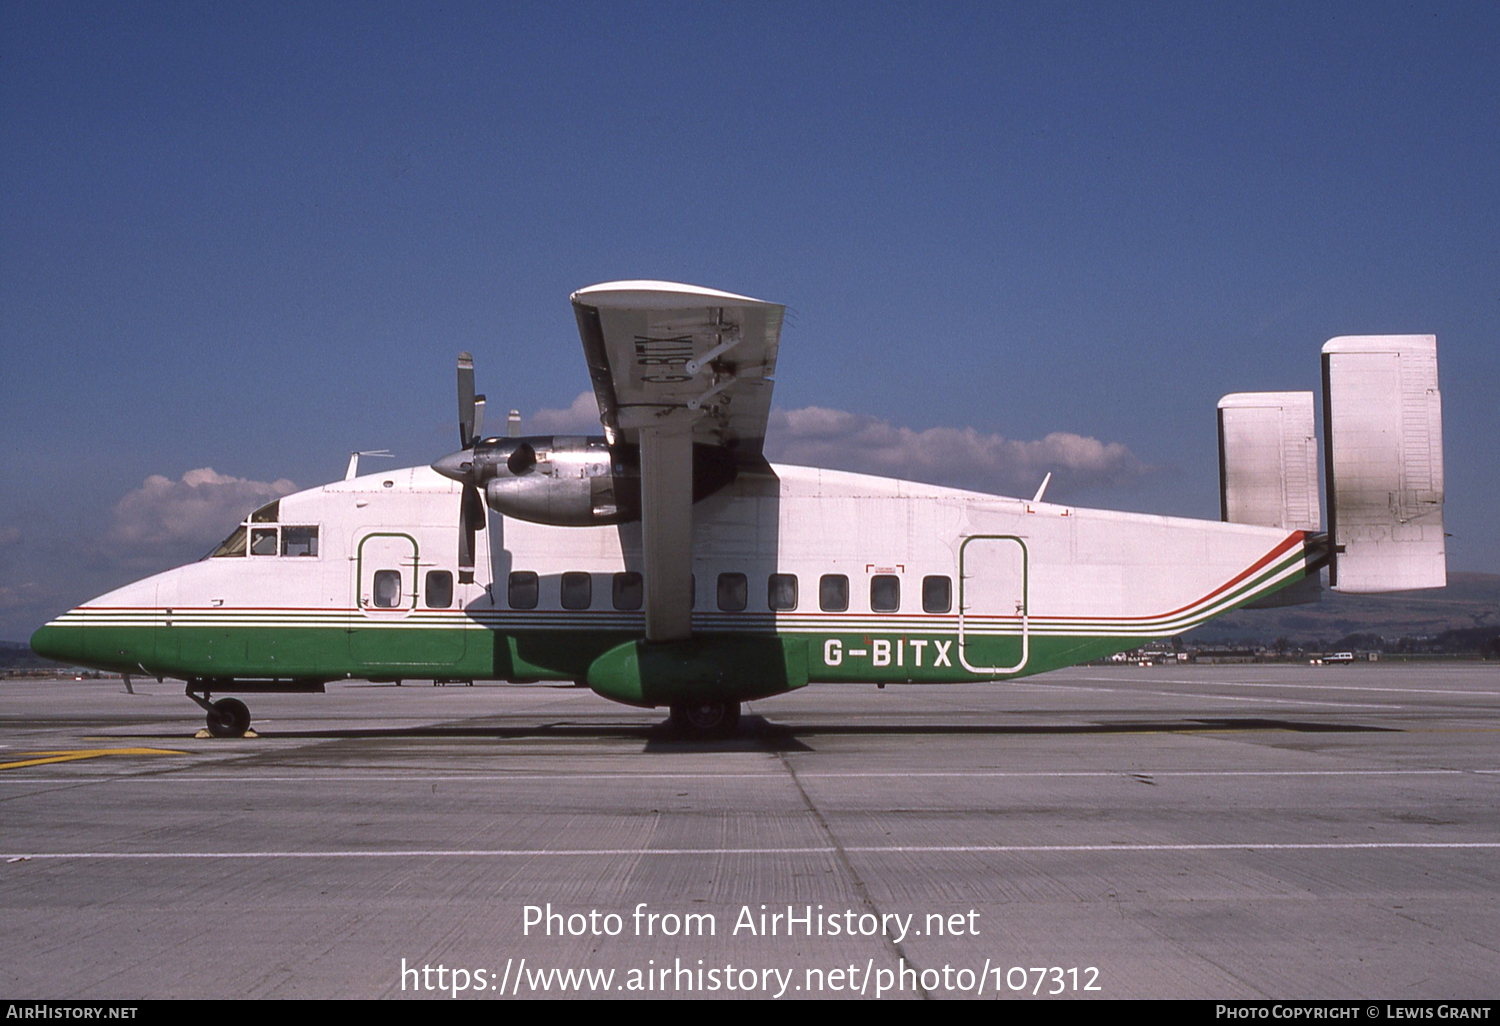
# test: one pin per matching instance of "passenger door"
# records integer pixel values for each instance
(392, 628)
(994, 632)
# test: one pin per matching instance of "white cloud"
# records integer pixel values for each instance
(47, 567)
(189, 515)
(960, 457)
(580, 418)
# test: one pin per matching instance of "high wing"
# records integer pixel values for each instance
(659, 352)
(673, 365)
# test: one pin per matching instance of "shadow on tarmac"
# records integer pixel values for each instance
(756, 733)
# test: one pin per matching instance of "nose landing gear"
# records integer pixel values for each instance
(228, 717)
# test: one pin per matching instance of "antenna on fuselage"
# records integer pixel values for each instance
(1045, 481)
(353, 470)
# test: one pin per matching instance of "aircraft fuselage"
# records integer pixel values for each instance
(845, 577)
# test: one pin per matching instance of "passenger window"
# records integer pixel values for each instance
(577, 590)
(885, 593)
(234, 545)
(627, 592)
(937, 594)
(387, 589)
(833, 593)
(524, 589)
(439, 589)
(263, 541)
(299, 541)
(734, 592)
(781, 591)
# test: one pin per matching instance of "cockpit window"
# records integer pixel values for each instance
(263, 541)
(299, 541)
(234, 545)
(267, 514)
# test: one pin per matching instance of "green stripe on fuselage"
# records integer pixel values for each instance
(503, 652)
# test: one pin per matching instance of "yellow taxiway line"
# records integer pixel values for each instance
(73, 755)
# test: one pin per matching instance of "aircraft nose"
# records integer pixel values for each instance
(58, 643)
(457, 466)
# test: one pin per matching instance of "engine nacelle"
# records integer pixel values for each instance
(565, 480)
(578, 481)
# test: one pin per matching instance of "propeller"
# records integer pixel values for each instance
(472, 515)
(470, 406)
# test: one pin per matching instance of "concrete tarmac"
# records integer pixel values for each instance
(1203, 832)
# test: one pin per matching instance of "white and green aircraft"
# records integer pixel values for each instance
(666, 563)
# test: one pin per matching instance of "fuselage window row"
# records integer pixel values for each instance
(387, 592)
(732, 595)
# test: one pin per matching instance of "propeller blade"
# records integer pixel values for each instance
(466, 557)
(465, 400)
(471, 519)
(474, 512)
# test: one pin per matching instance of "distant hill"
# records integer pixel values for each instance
(17, 655)
(1470, 601)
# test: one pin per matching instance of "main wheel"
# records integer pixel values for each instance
(230, 718)
(705, 719)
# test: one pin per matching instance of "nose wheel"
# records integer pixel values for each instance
(698, 720)
(228, 717)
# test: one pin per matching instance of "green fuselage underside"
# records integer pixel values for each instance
(393, 652)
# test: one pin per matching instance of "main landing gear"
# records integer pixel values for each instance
(228, 717)
(702, 720)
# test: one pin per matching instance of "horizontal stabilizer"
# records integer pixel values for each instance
(1383, 432)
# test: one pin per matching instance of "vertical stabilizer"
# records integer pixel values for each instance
(1268, 473)
(1382, 426)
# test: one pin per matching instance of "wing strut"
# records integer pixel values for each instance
(667, 530)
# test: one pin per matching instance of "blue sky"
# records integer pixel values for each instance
(253, 237)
